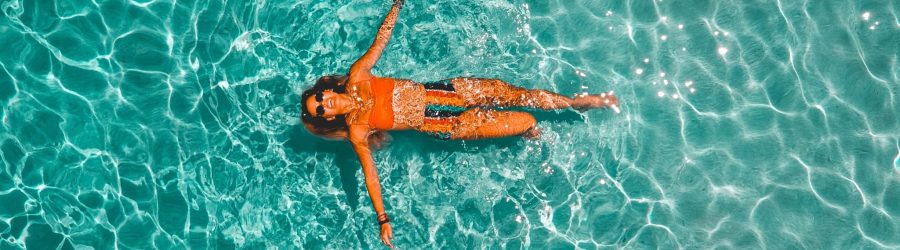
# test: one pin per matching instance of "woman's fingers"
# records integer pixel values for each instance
(386, 236)
(390, 237)
(387, 242)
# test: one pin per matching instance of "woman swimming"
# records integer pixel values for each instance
(360, 107)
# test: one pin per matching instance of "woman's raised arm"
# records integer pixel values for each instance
(362, 67)
(359, 138)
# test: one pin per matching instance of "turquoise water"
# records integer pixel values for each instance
(174, 124)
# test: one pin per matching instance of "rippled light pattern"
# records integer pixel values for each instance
(168, 124)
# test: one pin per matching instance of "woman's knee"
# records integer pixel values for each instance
(481, 124)
(527, 121)
(508, 123)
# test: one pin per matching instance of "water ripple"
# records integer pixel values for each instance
(174, 124)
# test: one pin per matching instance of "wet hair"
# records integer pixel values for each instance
(334, 128)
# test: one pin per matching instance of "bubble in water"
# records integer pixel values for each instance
(639, 71)
(170, 40)
(664, 37)
(897, 158)
(195, 64)
(241, 43)
(661, 94)
(723, 51)
(866, 15)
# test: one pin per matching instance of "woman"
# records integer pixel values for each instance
(360, 107)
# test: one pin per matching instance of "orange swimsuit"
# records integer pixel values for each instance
(443, 107)
(382, 116)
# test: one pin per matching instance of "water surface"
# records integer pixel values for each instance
(174, 124)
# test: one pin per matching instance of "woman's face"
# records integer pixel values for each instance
(328, 104)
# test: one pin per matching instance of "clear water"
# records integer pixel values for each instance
(174, 124)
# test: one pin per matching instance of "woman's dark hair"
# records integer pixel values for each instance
(334, 128)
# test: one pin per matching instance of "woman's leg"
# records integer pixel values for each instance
(479, 92)
(482, 124)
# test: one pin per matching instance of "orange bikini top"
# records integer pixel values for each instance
(382, 116)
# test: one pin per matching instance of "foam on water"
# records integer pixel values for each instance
(174, 124)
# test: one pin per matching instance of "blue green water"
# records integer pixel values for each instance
(174, 124)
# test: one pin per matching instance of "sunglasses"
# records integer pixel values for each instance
(320, 111)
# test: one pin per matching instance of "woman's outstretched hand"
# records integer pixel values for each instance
(387, 235)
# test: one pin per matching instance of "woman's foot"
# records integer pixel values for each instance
(603, 100)
(533, 133)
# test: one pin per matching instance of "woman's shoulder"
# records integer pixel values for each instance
(358, 119)
(359, 83)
